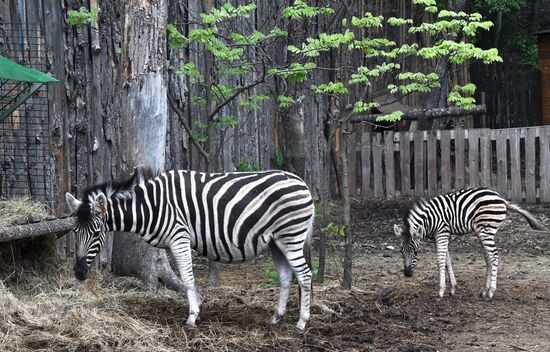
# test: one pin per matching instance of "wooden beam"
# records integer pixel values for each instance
(52, 227)
(430, 114)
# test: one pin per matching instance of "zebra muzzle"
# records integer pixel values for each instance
(408, 272)
(81, 270)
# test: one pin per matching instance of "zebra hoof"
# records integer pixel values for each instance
(487, 295)
(301, 326)
(191, 321)
(275, 319)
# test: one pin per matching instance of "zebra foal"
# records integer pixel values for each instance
(227, 217)
(478, 210)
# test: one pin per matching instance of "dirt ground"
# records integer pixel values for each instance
(384, 312)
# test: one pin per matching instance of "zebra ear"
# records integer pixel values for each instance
(419, 233)
(72, 202)
(100, 203)
(397, 230)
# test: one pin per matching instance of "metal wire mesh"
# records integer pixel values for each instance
(25, 161)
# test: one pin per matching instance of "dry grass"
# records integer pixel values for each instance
(62, 314)
(20, 209)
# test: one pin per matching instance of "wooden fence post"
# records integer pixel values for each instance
(389, 163)
(502, 163)
(405, 162)
(366, 167)
(377, 165)
(459, 158)
(446, 161)
(530, 165)
(419, 163)
(432, 162)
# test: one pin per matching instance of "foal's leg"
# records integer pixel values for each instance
(487, 238)
(442, 244)
(293, 251)
(285, 277)
(451, 273)
(181, 249)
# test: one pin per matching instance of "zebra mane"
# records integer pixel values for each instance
(122, 189)
(112, 189)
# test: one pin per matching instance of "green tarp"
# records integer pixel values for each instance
(10, 70)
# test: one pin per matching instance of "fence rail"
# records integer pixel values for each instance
(515, 162)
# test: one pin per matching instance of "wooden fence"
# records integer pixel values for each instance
(515, 162)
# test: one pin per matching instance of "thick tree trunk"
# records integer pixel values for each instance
(143, 124)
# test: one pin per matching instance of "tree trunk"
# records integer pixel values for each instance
(348, 251)
(143, 126)
(329, 136)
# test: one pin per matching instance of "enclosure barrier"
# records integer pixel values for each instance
(515, 162)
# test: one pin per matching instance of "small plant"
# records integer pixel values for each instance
(247, 166)
(82, 16)
(335, 229)
(279, 160)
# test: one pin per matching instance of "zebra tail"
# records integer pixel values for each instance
(527, 215)
(307, 245)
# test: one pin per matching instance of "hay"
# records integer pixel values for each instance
(22, 209)
(20, 257)
(67, 315)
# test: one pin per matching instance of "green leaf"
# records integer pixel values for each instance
(302, 9)
(175, 38)
(189, 69)
(82, 16)
(392, 117)
(285, 102)
(331, 88)
(360, 106)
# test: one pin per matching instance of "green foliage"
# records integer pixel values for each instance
(333, 229)
(252, 101)
(189, 69)
(331, 88)
(361, 106)
(392, 117)
(501, 5)
(285, 102)
(226, 12)
(175, 38)
(82, 16)
(226, 121)
(296, 72)
(246, 166)
(456, 97)
(367, 21)
(302, 9)
(527, 48)
(318, 209)
(279, 160)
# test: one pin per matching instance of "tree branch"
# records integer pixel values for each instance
(51, 227)
(430, 114)
(237, 93)
(181, 117)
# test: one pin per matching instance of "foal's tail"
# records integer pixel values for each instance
(527, 215)
(307, 245)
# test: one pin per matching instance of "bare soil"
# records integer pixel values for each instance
(384, 312)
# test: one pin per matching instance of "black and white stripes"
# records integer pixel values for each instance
(227, 217)
(478, 210)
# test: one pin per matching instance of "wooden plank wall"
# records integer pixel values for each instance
(515, 162)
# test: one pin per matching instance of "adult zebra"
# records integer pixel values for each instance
(227, 217)
(478, 210)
